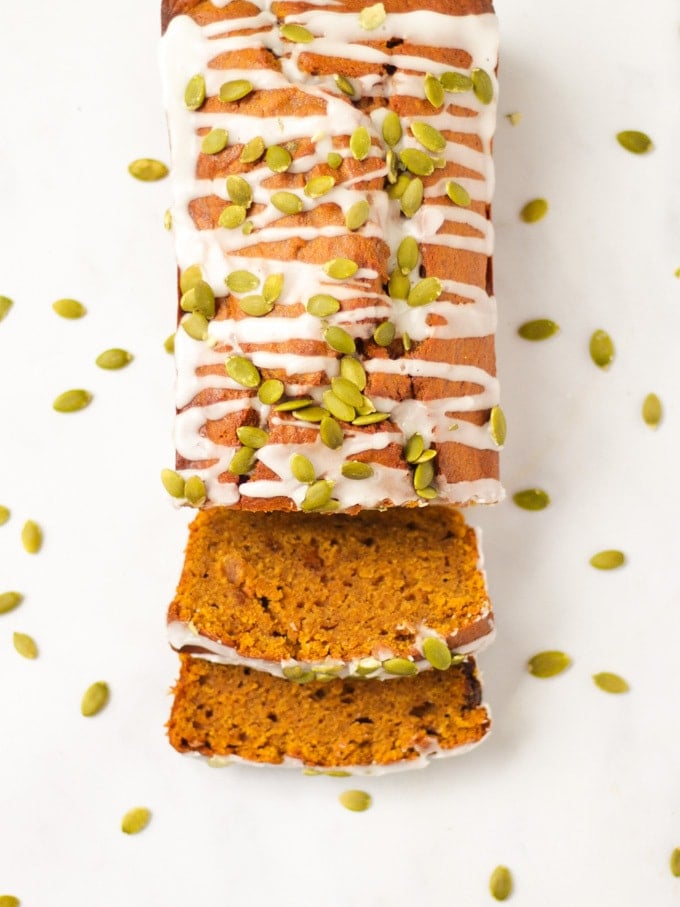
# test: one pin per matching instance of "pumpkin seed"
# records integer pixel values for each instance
(297, 674)
(337, 407)
(455, 82)
(189, 278)
(608, 560)
(338, 339)
(366, 407)
(256, 306)
(428, 494)
(482, 85)
(406, 340)
(357, 215)
(401, 666)
(341, 269)
(372, 17)
(425, 291)
(167, 219)
(311, 413)
(69, 308)
(252, 151)
(135, 820)
(195, 491)
(367, 666)
(200, 298)
(334, 160)
(498, 426)
(416, 161)
(4, 514)
(71, 401)
(278, 158)
(601, 349)
(302, 469)
(399, 285)
(652, 410)
(397, 190)
(250, 436)
(25, 645)
(147, 170)
(384, 333)
(242, 371)
(392, 162)
(194, 93)
(215, 141)
(239, 191)
(675, 862)
(500, 883)
(318, 186)
(235, 90)
(353, 371)
(9, 601)
(173, 483)
(270, 391)
(232, 217)
(330, 433)
(360, 143)
(317, 495)
(414, 448)
(242, 282)
(357, 801)
(458, 194)
(391, 128)
(8, 900)
(428, 136)
(370, 419)
(534, 210)
(611, 683)
(433, 90)
(94, 699)
(291, 405)
(408, 254)
(273, 286)
(5, 305)
(423, 475)
(344, 85)
(634, 141)
(531, 499)
(287, 202)
(426, 455)
(169, 343)
(195, 325)
(113, 359)
(322, 305)
(548, 664)
(513, 118)
(347, 391)
(31, 537)
(412, 198)
(437, 653)
(538, 329)
(247, 228)
(242, 461)
(353, 469)
(296, 33)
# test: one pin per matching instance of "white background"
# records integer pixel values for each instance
(576, 791)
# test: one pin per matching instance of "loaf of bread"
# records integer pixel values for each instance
(332, 180)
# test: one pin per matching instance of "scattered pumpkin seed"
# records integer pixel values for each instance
(147, 170)
(357, 215)
(135, 820)
(406, 340)
(412, 198)
(252, 151)
(338, 339)
(425, 291)
(242, 371)
(513, 118)
(652, 410)
(322, 305)
(200, 298)
(5, 305)
(113, 359)
(534, 210)
(360, 143)
(297, 674)
(408, 254)
(344, 85)
(195, 491)
(434, 91)
(548, 664)
(341, 269)
(500, 883)
(239, 191)
(291, 405)
(634, 141)
(354, 469)
(287, 202)
(273, 287)
(458, 194)
(242, 282)
(331, 433)
(428, 136)
(317, 495)
(167, 219)
(9, 601)
(482, 85)
(347, 391)
(608, 560)
(296, 33)
(8, 900)
(498, 426)
(455, 81)
(372, 17)
(401, 666)
(357, 801)
(278, 158)
(675, 862)
(384, 333)
(232, 217)
(169, 343)
(399, 285)
(423, 475)
(71, 401)
(270, 391)
(399, 187)
(601, 349)
(437, 653)
(414, 448)
(370, 419)
(310, 413)
(337, 407)
(195, 325)
(194, 93)
(190, 277)
(95, 698)
(334, 160)
(611, 683)
(538, 329)
(69, 308)
(25, 645)
(416, 161)
(302, 469)
(4, 514)
(319, 185)
(173, 483)
(31, 537)
(256, 306)
(242, 461)
(391, 128)
(250, 436)
(353, 371)
(215, 141)
(235, 90)
(531, 499)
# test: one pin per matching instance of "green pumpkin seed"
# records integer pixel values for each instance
(5, 305)
(317, 495)
(273, 287)
(232, 217)
(426, 455)
(372, 17)
(634, 141)
(287, 202)
(194, 93)
(334, 160)
(252, 151)
(428, 136)
(71, 401)
(25, 645)
(400, 186)
(173, 483)
(167, 219)
(513, 118)
(9, 601)
(215, 141)
(611, 683)
(429, 493)
(147, 170)
(534, 210)
(482, 85)
(330, 433)
(353, 371)
(425, 291)
(95, 698)
(652, 411)
(412, 198)
(548, 664)
(291, 405)
(366, 407)
(31, 537)
(195, 491)
(498, 426)
(391, 128)
(242, 282)
(235, 90)
(437, 653)
(242, 461)
(239, 191)
(323, 305)
(601, 349)
(370, 419)
(367, 666)
(538, 329)
(169, 343)
(458, 194)
(297, 674)
(353, 469)
(341, 268)
(531, 499)
(4, 514)
(416, 161)
(675, 862)
(357, 215)
(302, 469)
(250, 436)
(242, 371)
(344, 85)
(135, 820)
(296, 33)
(455, 82)
(318, 186)
(406, 340)
(311, 413)
(384, 333)
(270, 391)
(337, 407)
(414, 448)
(423, 475)
(256, 306)
(399, 285)
(113, 359)
(608, 560)
(433, 90)
(8, 900)
(195, 325)
(189, 278)
(357, 801)
(500, 883)
(69, 308)
(247, 228)
(347, 391)
(360, 143)
(402, 666)
(338, 339)
(200, 298)
(408, 254)
(278, 158)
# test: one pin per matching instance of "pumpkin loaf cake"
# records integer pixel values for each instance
(332, 182)
(302, 596)
(348, 725)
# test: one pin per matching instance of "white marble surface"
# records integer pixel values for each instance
(576, 791)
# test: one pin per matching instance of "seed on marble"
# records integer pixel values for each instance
(538, 329)
(611, 683)
(634, 141)
(135, 820)
(5, 305)
(534, 210)
(69, 308)
(9, 601)
(169, 343)
(548, 663)
(147, 170)
(601, 349)
(31, 537)
(71, 401)
(513, 118)
(652, 410)
(610, 559)
(95, 698)
(500, 883)
(531, 499)
(25, 645)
